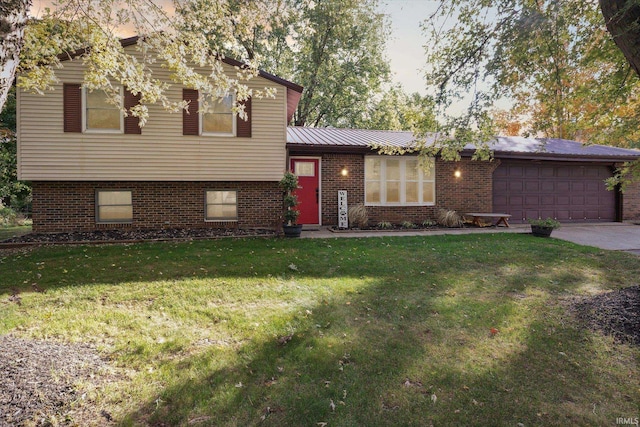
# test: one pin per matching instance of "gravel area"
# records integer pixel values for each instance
(615, 313)
(38, 380)
(136, 235)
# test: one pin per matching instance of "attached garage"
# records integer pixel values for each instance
(568, 192)
(529, 178)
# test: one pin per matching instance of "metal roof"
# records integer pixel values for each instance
(348, 137)
(511, 146)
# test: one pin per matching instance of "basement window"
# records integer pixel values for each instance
(114, 206)
(221, 205)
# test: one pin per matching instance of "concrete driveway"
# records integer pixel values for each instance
(614, 236)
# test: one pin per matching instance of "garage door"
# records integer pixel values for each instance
(567, 192)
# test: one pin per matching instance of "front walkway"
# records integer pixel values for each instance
(617, 236)
(324, 232)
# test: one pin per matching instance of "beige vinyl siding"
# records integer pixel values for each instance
(161, 153)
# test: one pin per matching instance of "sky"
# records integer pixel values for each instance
(405, 48)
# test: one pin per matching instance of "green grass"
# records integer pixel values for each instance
(13, 231)
(392, 331)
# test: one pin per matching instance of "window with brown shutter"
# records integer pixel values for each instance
(191, 118)
(72, 107)
(131, 123)
(243, 127)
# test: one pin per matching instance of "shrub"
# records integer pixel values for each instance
(408, 225)
(384, 225)
(449, 218)
(546, 223)
(8, 216)
(358, 216)
(288, 184)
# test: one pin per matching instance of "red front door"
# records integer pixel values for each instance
(308, 193)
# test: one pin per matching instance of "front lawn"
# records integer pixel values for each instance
(442, 330)
(7, 232)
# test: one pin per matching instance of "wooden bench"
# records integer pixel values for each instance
(503, 218)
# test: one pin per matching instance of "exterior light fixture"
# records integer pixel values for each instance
(344, 171)
(457, 173)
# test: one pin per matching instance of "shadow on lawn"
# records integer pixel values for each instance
(407, 353)
(410, 346)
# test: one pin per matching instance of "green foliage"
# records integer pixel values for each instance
(545, 223)
(7, 217)
(288, 184)
(179, 35)
(13, 193)
(335, 50)
(429, 223)
(394, 330)
(554, 60)
(384, 225)
(408, 225)
(397, 110)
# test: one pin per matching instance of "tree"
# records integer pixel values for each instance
(178, 36)
(622, 18)
(553, 59)
(335, 50)
(13, 193)
(396, 110)
(13, 18)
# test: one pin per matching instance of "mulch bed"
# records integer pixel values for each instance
(38, 380)
(119, 235)
(615, 313)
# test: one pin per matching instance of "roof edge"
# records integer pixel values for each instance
(130, 41)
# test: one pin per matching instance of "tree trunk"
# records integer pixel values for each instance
(13, 19)
(623, 19)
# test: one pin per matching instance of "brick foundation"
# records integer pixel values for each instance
(70, 205)
(473, 191)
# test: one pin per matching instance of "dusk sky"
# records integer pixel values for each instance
(405, 48)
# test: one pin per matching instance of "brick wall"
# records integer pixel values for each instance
(631, 202)
(471, 192)
(70, 206)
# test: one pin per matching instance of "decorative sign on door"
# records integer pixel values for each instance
(343, 210)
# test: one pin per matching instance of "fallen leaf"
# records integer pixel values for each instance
(285, 339)
(332, 406)
(434, 398)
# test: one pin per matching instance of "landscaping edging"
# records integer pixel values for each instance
(390, 230)
(102, 237)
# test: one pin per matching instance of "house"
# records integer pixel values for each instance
(528, 178)
(91, 168)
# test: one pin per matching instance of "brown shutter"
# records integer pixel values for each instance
(243, 127)
(72, 107)
(131, 124)
(190, 119)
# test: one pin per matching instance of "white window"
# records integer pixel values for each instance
(216, 117)
(392, 180)
(221, 205)
(114, 206)
(99, 114)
